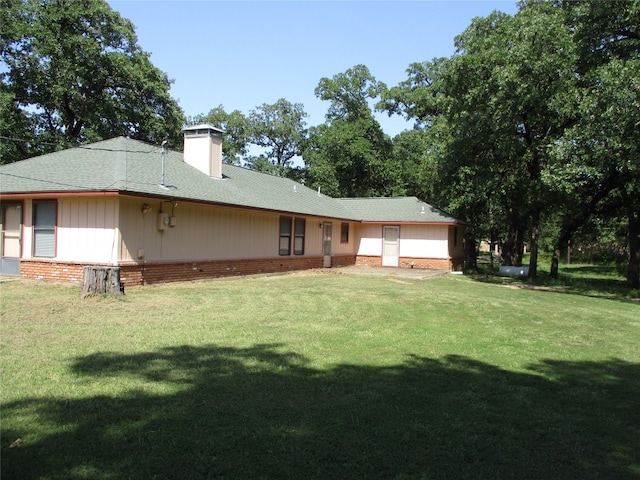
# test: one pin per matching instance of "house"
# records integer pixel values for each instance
(169, 216)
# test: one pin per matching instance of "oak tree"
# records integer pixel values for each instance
(74, 73)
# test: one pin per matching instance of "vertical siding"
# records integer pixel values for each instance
(416, 241)
(347, 248)
(204, 232)
(27, 228)
(369, 238)
(424, 241)
(87, 229)
(313, 236)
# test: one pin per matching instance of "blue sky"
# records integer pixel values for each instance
(241, 54)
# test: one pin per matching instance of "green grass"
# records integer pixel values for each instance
(321, 376)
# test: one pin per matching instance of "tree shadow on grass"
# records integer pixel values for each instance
(264, 412)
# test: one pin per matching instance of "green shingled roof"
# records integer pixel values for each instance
(395, 209)
(129, 166)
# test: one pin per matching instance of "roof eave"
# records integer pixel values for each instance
(411, 222)
(54, 193)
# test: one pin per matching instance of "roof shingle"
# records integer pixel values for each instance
(129, 166)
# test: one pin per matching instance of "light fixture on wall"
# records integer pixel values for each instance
(146, 208)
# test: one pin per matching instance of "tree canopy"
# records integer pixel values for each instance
(72, 72)
(537, 117)
(349, 155)
(281, 129)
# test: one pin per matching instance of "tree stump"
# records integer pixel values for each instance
(98, 280)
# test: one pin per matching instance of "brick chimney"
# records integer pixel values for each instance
(203, 149)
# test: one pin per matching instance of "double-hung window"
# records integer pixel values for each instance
(292, 231)
(344, 233)
(285, 235)
(298, 240)
(44, 229)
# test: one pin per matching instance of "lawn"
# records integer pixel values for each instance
(321, 375)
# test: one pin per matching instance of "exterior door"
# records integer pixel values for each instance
(326, 244)
(390, 246)
(10, 241)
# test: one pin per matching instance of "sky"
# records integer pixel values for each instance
(242, 54)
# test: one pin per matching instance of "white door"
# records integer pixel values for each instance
(326, 244)
(390, 246)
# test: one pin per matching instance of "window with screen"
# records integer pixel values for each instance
(298, 241)
(285, 235)
(44, 229)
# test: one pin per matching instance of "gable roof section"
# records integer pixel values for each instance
(122, 165)
(396, 209)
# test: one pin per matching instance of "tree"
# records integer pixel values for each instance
(606, 140)
(498, 97)
(16, 129)
(520, 67)
(281, 129)
(349, 159)
(419, 153)
(350, 154)
(236, 132)
(74, 71)
(422, 97)
(414, 164)
(603, 146)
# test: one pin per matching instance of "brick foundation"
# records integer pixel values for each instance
(343, 260)
(161, 272)
(51, 271)
(435, 263)
(365, 261)
(406, 262)
(148, 273)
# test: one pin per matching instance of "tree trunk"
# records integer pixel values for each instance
(492, 246)
(471, 259)
(520, 234)
(555, 262)
(533, 254)
(101, 280)
(509, 247)
(633, 268)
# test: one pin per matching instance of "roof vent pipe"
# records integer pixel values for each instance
(164, 161)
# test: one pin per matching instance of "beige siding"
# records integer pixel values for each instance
(104, 229)
(347, 248)
(87, 229)
(27, 228)
(369, 240)
(313, 237)
(424, 241)
(416, 241)
(204, 232)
